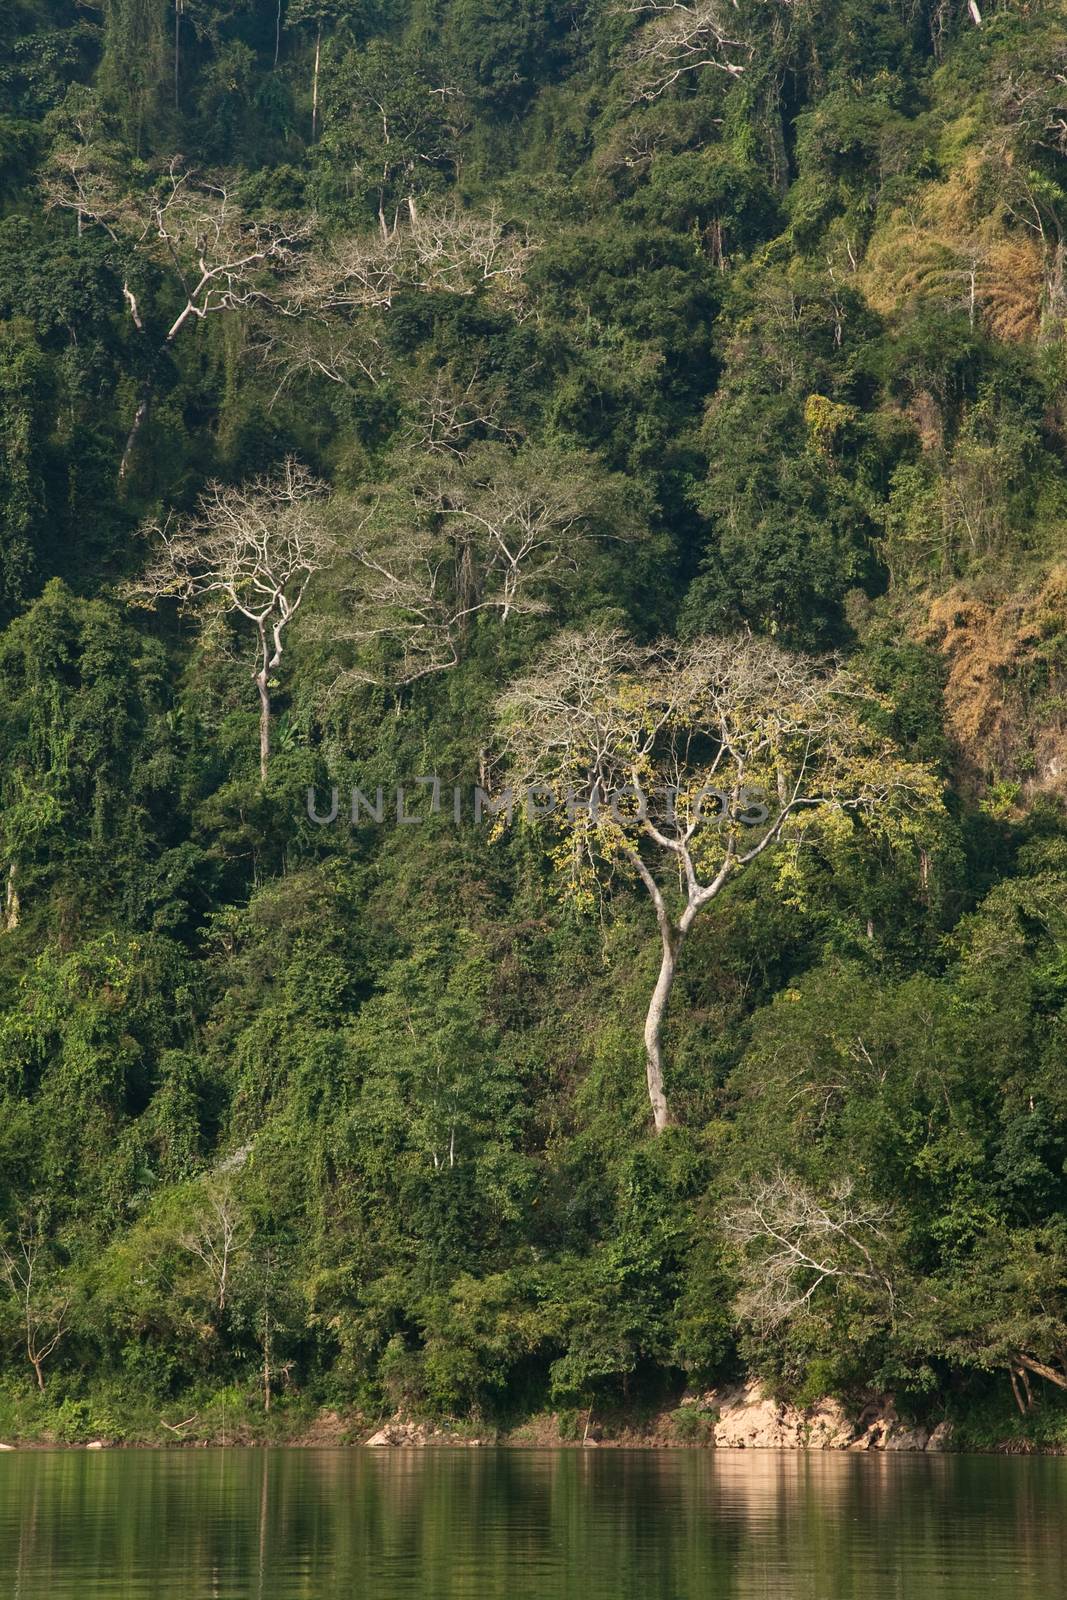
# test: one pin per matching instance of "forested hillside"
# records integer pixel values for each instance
(547, 398)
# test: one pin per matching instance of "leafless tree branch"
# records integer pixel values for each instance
(793, 1243)
(248, 549)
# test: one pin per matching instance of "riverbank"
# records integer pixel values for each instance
(742, 1416)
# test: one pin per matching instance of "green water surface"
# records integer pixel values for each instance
(385, 1525)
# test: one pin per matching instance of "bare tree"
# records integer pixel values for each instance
(792, 1242)
(338, 349)
(401, 596)
(680, 38)
(452, 412)
(515, 518)
(340, 293)
(44, 1304)
(489, 530)
(696, 760)
(217, 1239)
(1031, 99)
(442, 249)
(193, 227)
(251, 550)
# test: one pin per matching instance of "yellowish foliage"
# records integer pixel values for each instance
(950, 249)
(826, 421)
(1006, 680)
(1010, 289)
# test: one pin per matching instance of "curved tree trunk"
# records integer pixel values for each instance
(657, 1012)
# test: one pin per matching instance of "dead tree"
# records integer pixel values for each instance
(249, 550)
(792, 1242)
(441, 250)
(217, 1239)
(469, 532)
(44, 1306)
(679, 38)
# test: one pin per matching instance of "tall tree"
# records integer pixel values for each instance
(462, 534)
(134, 69)
(250, 550)
(696, 760)
(391, 125)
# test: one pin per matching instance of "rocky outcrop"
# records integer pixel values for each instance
(748, 1418)
(417, 1435)
(742, 1417)
(399, 1433)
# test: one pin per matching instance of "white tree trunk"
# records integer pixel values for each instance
(657, 1012)
(315, 86)
(179, 7)
(264, 723)
(12, 908)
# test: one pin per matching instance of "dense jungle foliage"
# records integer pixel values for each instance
(531, 326)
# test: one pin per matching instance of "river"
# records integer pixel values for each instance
(592, 1525)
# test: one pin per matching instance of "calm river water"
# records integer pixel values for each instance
(594, 1525)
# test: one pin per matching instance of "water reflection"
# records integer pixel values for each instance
(281, 1525)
